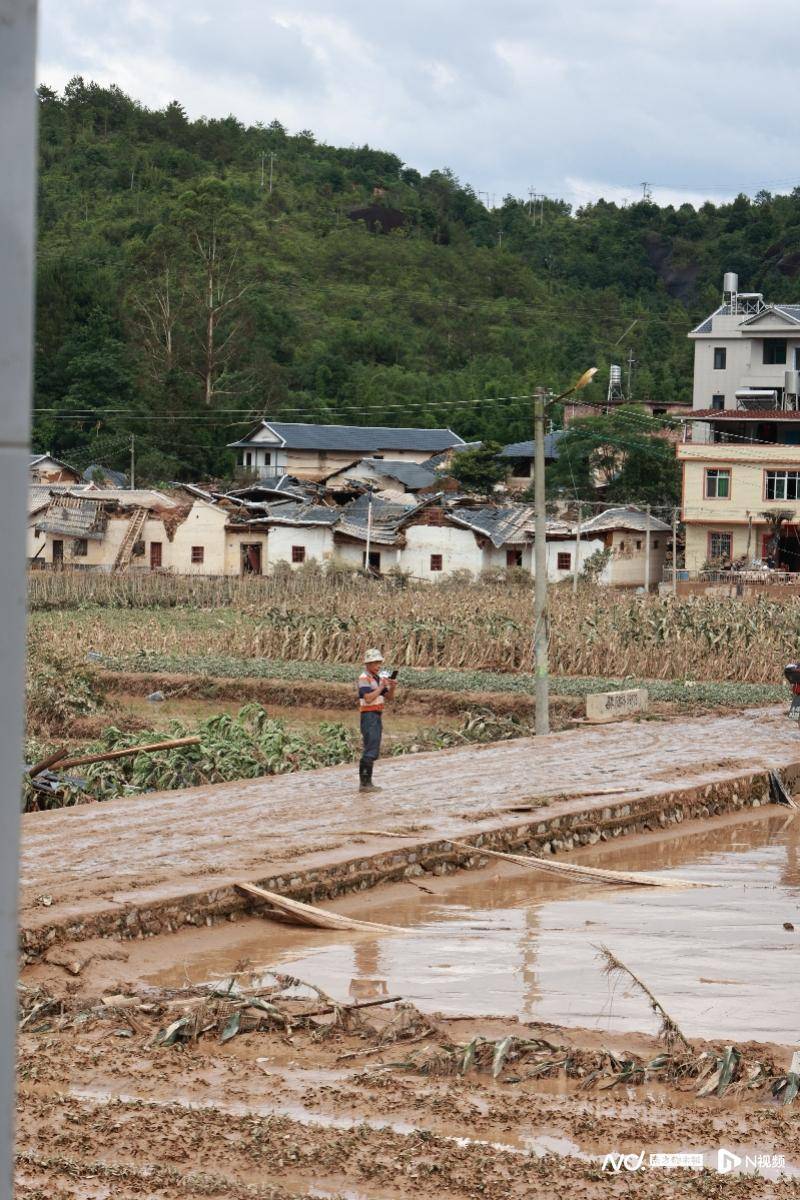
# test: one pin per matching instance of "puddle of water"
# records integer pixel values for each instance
(525, 945)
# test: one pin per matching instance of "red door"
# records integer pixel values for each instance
(155, 555)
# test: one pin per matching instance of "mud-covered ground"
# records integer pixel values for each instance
(396, 1100)
(364, 1105)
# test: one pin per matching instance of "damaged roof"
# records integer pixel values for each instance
(388, 518)
(413, 476)
(625, 518)
(528, 449)
(74, 516)
(511, 523)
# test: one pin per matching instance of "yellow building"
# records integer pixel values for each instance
(728, 487)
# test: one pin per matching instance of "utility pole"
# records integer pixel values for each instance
(647, 550)
(262, 156)
(675, 551)
(631, 365)
(367, 566)
(17, 214)
(577, 552)
(271, 167)
(540, 630)
(133, 461)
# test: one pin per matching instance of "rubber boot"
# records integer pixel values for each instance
(363, 776)
(371, 787)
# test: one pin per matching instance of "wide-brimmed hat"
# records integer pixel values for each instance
(373, 656)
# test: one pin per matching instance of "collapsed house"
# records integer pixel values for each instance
(427, 535)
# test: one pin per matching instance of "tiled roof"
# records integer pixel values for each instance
(527, 449)
(791, 310)
(624, 518)
(296, 512)
(73, 516)
(412, 475)
(364, 439)
(105, 476)
(388, 519)
(742, 414)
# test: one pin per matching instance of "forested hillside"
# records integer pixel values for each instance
(179, 297)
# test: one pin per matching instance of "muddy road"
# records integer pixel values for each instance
(165, 844)
(377, 1103)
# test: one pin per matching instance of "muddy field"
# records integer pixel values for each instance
(426, 1096)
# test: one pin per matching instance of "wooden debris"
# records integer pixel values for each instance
(308, 914)
(50, 761)
(84, 759)
(600, 874)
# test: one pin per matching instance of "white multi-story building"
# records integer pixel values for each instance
(743, 460)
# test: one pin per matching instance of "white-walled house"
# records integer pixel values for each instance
(274, 448)
(194, 532)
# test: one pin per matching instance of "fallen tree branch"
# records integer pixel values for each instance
(50, 761)
(84, 759)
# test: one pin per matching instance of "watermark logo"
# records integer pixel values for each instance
(619, 1162)
(727, 1161)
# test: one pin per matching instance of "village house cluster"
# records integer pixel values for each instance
(370, 499)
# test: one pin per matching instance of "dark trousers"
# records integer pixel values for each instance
(371, 732)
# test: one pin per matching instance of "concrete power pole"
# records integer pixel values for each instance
(577, 570)
(17, 212)
(540, 629)
(674, 551)
(133, 461)
(647, 550)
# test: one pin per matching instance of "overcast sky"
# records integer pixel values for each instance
(573, 98)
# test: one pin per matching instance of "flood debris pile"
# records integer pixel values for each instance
(300, 1013)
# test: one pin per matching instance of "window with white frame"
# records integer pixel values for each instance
(718, 483)
(782, 485)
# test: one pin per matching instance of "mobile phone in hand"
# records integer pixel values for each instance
(393, 675)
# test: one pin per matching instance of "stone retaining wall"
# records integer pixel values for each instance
(360, 871)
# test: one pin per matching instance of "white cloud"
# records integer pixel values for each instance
(568, 98)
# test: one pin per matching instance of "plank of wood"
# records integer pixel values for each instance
(84, 759)
(309, 914)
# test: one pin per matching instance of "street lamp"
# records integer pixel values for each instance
(540, 629)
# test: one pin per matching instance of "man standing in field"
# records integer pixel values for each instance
(374, 687)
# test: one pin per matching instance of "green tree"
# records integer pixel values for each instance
(620, 452)
(479, 468)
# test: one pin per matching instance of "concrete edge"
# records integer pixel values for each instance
(362, 870)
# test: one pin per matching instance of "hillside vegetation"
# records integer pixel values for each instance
(178, 298)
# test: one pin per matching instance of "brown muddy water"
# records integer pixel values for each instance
(523, 944)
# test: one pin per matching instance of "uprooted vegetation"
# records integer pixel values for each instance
(245, 746)
(274, 1004)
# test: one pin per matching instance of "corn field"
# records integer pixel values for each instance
(483, 626)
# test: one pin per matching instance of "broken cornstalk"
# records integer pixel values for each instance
(600, 874)
(308, 914)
